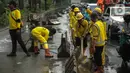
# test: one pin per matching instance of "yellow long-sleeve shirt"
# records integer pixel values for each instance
(81, 28)
(89, 11)
(16, 15)
(39, 32)
(98, 33)
(73, 19)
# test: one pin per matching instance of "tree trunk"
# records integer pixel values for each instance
(45, 4)
(34, 3)
(21, 4)
(30, 4)
(39, 2)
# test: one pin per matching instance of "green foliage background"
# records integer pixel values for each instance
(25, 11)
(3, 13)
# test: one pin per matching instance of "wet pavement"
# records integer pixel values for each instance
(40, 64)
(33, 64)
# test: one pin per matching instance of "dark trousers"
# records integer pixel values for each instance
(16, 36)
(78, 42)
(98, 55)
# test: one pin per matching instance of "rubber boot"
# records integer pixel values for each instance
(47, 54)
(99, 69)
(36, 50)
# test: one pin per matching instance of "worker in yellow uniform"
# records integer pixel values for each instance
(71, 12)
(98, 41)
(81, 30)
(89, 11)
(73, 16)
(41, 34)
(73, 22)
(72, 19)
(15, 29)
(99, 13)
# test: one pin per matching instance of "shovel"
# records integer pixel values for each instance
(84, 62)
(81, 52)
(77, 59)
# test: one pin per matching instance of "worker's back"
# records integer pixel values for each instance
(40, 30)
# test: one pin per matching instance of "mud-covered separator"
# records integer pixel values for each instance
(78, 63)
(64, 50)
(69, 66)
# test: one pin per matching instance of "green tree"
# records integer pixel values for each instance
(49, 3)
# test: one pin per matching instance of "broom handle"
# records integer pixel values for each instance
(82, 46)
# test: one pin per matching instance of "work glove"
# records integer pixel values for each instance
(82, 36)
(73, 29)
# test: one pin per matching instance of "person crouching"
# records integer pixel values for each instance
(41, 34)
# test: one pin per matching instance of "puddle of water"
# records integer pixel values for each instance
(5, 40)
(19, 62)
